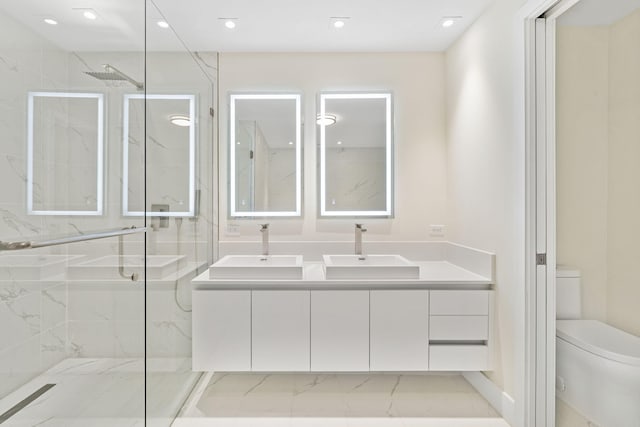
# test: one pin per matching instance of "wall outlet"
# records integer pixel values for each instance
(233, 230)
(436, 230)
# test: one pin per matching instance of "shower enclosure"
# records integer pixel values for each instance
(106, 209)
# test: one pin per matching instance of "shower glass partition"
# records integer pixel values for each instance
(72, 280)
(94, 300)
(177, 160)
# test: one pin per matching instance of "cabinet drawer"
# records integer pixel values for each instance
(459, 328)
(459, 302)
(458, 357)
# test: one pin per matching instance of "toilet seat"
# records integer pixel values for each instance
(601, 339)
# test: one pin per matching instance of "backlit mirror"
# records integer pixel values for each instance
(170, 155)
(66, 130)
(265, 155)
(356, 154)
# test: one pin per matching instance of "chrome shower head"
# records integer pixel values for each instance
(111, 73)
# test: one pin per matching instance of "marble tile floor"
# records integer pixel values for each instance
(340, 422)
(105, 392)
(339, 400)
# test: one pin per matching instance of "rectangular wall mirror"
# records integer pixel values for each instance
(170, 155)
(66, 130)
(356, 154)
(265, 155)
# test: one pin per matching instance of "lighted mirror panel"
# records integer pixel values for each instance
(170, 155)
(356, 154)
(65, 150)
(265, 155)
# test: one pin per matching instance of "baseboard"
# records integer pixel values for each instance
(501, 401)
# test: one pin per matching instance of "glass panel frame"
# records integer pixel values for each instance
(324, 209)
(191, 211)
(233, 212)
(99, 97)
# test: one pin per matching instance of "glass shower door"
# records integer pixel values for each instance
(72, 264)
(179, 173)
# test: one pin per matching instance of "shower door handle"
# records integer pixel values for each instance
(34, 244)
(14, 246)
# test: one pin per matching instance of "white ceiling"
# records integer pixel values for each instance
(273, 25)
(598, 12)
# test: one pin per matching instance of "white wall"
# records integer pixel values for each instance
(485, 168)
(623, 282)
(582, 111)
(417, 83)
(597, 171)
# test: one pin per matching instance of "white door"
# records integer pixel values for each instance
(221, 330)
(400, 330)
(280, 323)
(340, 331)
(545, 312)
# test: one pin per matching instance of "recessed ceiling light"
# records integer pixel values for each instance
(229, 23)
(290, 142)
(338, 21)
(163, 24)
(339, 142)
(180, 120)
(50, 21)
(448, 21)
(326, 120)
(90, 14)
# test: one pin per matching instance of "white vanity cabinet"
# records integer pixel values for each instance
(221, 330)
(340, 330)
(459, 330)
(399, 330)
(280, 330)
(355, 330)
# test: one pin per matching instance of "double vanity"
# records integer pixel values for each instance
(342, 312)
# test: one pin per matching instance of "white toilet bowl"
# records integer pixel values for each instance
(597, 365)
(598, 372)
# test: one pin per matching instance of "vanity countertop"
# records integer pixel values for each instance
(433, 275)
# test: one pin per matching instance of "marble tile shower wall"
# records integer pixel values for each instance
(44, 321)
(105, 320)
(32, 313)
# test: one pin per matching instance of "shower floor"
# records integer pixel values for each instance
(338, 400)
(104, 392)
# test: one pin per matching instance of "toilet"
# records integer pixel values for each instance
(597, 365)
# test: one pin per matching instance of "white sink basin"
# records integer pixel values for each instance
(371, 267)
(34, 267)
(287, 267)
(106, 267)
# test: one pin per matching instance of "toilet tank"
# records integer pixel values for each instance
(568, 300)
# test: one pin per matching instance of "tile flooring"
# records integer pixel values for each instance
(339, 400)
(104, 393)
(109, 393)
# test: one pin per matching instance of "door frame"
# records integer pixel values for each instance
(539, 17)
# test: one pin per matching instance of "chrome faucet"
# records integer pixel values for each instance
(358, 247)
(264, 229)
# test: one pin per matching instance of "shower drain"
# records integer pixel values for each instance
(24, 402)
